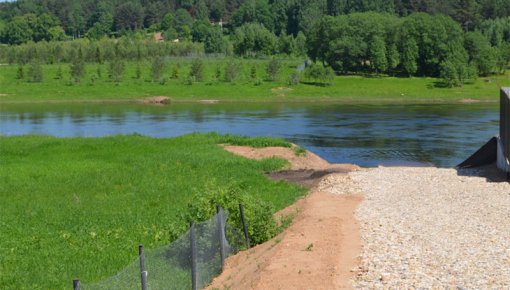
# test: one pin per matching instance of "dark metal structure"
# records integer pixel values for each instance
(504, 123)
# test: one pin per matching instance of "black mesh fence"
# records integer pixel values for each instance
(171, 266)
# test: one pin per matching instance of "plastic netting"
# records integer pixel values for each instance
(170, 267)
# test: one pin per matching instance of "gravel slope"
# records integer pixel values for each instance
(430, 228)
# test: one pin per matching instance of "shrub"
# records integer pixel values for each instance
(157, 69)
(261, 224)
(116, 70)
(59, 74)
(273, 69)
(35, 72)
(294, 78)
(77, 68)
(319, 74)
(253, 72)
(20, 73)
(197, 70)
(175, 72)
(232, 70)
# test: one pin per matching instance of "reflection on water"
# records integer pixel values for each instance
(368, 135)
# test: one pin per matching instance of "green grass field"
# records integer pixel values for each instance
(352, 89)
(78, 207)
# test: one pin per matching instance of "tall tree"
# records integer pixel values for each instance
(129, 16)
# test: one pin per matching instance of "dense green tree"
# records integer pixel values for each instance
(455, 71)
(410, 56)
(17, 31)
(128, 16)
(182, 23)
(167, 22)
(319, 74)
(503, 56)
(77, 68)
(286, 44)
(214, 42)
(377, 54)
(28, 27)
(253, 11)
(200, 30)
(154, 13)
(251, 39)
(480, 53)
(200, 11)
(466, 12)
(103, 26)
(301, 44)
(216, 9)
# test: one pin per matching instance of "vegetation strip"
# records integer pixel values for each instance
(80, 206)
(347, 89)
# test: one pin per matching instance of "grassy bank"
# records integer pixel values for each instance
(350, 89)
(80, 206)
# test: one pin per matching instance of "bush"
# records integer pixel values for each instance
(197, 70)
(319, 74)
(261, 224)
(175, 72)
(77, 68)
(59, 74)
(232, 70)
(20, 73)
(273, 69)
(35, 72)
(157, 69)
(294, 78)
(116, 70)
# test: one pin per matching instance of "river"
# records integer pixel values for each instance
(367, 135)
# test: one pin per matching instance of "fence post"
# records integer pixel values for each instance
(221, 234)
(76, 284)
(193, 246)
(245, 229)
(143, 273)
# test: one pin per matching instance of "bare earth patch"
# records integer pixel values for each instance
(318, 251)
(297, 162)
(158, 100)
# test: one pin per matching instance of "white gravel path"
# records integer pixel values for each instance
(430, 228)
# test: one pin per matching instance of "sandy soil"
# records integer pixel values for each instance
(308, 161)
(319, 250)
(157, 100)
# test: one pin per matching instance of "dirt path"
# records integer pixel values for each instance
(319, 250)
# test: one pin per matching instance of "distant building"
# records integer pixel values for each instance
(158, 37)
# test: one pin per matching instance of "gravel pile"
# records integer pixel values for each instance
(430, 228)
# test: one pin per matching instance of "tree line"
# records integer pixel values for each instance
(25, 20)
(416, 45)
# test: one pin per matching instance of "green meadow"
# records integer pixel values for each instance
(251, 85)
(79, 207)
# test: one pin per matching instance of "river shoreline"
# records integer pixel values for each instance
(269, 100)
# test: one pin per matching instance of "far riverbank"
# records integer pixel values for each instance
(97, 87)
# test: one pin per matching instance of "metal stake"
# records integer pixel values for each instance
(76, 284)
(245, 229)
(143, 273)
(221, 234)
(194, 276)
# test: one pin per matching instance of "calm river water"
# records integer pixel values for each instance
(367, 135)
